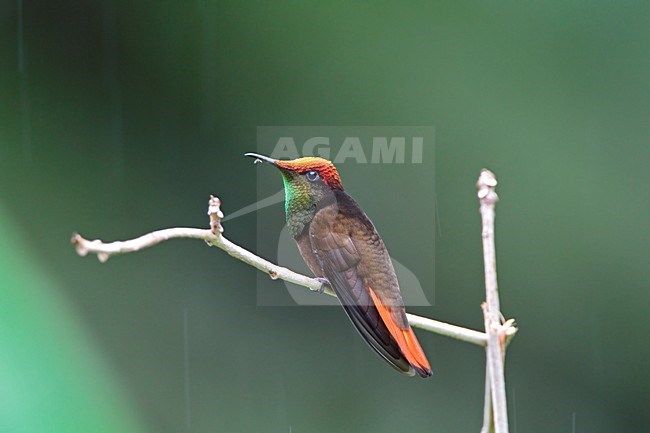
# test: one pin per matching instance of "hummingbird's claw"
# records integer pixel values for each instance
(324, 283)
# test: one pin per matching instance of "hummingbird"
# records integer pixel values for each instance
(341, 246)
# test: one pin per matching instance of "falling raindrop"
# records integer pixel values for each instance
(110, 69)
(573, 422)
(186, 362)
(209, 72)
(25, 118)
(21, 42)
(514, 409)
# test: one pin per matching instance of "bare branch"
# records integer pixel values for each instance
(495, 331)
(105, 250)
(453, 331)
(488, 419)
(214, 237)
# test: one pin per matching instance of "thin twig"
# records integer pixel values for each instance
(214, 237)
(495, 331)
(442, 328)
(488, 418)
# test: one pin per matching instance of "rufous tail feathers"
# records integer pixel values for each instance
(405, 338)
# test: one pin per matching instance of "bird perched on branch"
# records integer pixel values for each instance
(339, 243)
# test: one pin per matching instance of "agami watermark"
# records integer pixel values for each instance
(382, 150)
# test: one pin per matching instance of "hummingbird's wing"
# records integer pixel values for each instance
(355, 261)
(339, 260)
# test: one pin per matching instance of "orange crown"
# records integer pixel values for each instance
(325, 169)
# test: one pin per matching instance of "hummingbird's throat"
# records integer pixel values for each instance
(299, 206)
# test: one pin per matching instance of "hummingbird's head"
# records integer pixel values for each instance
(308, 182)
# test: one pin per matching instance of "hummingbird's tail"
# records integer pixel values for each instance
(405, 338)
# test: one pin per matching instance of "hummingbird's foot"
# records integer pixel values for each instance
(324, 283)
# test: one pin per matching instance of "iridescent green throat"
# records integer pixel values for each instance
(299, 206)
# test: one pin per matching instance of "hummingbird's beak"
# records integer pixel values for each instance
(261, 158)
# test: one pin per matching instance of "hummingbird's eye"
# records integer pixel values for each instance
(312, 175)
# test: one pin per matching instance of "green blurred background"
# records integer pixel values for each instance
(117, 118)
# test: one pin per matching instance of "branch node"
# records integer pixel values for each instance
(506, 331)
(79, 246)
(487, 181)
(214, 211)
(83, 247)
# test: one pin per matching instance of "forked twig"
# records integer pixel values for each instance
(495, 408)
